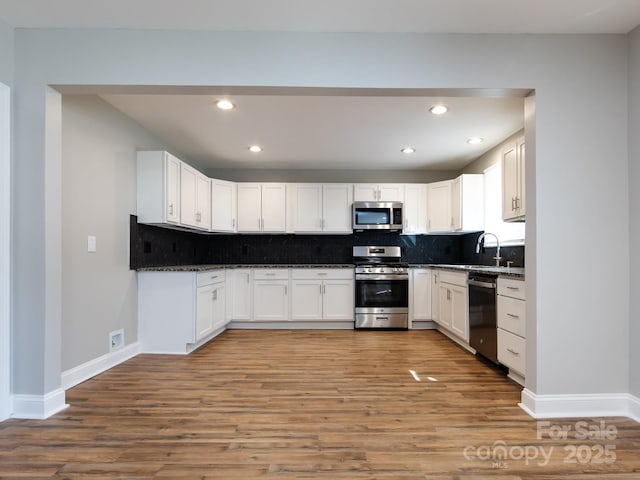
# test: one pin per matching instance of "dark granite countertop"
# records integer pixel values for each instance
(202, 268)
(515, 272)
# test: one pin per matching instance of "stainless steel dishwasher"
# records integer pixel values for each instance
(483, 315)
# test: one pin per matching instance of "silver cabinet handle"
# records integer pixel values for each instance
(233, 222)
(248, 279)
(214, 295)
(324, 288)
(321, 289)
(512, 315)
(512, 288)
(517, 354)
(285, 289)
(171, 209)
(269, 274)
(198, 217)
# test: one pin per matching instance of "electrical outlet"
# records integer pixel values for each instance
(116, 340)
(91, 244)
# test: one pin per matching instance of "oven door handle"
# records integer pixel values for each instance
(368, 276)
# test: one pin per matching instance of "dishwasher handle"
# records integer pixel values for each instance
(478, 283)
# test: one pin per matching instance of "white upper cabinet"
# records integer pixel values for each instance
(262, 207)
(223, 206)
(382, 192)
(318, 208)
(513, 181)
(158, 188)
(195, 198)
(456, 205)
(415, 208)
(439, 217)
(467, 202)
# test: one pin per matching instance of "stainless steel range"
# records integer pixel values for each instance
(381, 288)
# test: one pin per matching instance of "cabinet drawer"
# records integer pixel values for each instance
(512, 315)
(212, 276)
(511, 351)
(455, 278)
(271, 274)
(511, 288)
(322, 273)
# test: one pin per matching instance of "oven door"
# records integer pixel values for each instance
(381, 301)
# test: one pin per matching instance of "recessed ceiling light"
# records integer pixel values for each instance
(474, 140)
(438, 109)
(255, 148)
(408, 150)
(224, 105)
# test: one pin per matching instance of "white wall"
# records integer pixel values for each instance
(634, 202)
(99, 292)
(575, 192)
(6, 53)
(6, 80)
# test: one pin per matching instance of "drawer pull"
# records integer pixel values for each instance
(513, 288)
(517, 354)
(322, 273)
(269, 274)
(512, 315)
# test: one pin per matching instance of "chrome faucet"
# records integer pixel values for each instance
(497, 258)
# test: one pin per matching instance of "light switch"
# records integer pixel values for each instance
(91, 243)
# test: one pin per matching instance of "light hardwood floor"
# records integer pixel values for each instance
(308, 405)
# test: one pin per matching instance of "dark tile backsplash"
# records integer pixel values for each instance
(153, 246)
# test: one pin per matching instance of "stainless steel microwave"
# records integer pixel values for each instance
(377, 216)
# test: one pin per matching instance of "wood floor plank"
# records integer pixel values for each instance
(266, 405)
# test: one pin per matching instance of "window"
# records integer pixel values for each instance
(508, 233)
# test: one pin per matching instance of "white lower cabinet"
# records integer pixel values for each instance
(512, 327)
(239, 294)
(179, 311)
(210, 303)
(453, 300)
(271, 295)
(321, 294)
(420, 281)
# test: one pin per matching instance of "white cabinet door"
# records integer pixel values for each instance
(203, 202)
(188, 195)
(365, 192)
(522, 207)
(445, 310)
(391, 192)
(337, 303)
(195, 198)
(270, 300)
(157, 188)
(456, 203)
(421, 293)
(439, 206)
(435, 296)
(459, 311)
(249, 207)
(274, 207)
(307, 207)
(240, 294)
(337, 199)
(306, 300)
(513, 181)
(374, 192)
(415, 208)
(219, 312)
(204, 311)
(223, 206)
(172, 187)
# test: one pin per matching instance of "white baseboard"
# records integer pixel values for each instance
(38, 407)
(634, 408)
(77, 375)
(581, 405)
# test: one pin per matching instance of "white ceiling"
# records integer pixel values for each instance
(345, 131)
(451, 16)
(325, 131)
